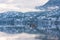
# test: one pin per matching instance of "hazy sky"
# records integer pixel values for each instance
(21, 5)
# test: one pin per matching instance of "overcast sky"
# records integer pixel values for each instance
(21, 5)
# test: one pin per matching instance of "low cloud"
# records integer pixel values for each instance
(21, 5)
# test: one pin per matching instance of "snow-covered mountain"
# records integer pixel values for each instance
(53, 3)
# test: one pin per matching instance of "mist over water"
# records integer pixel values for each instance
(21, 36)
